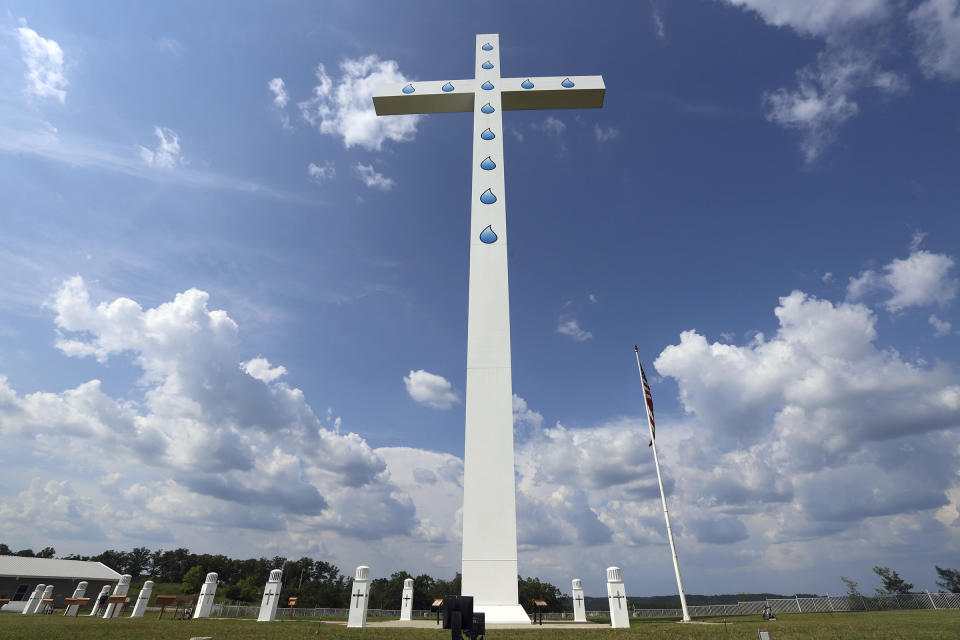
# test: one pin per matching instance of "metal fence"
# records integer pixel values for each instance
(821, 604)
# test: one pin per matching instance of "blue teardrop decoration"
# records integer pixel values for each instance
(488, 164)
(487, 108)
(487, 65)
(487, 197)
(487, 134)
(486, 86)
(567, 83)
(487, 236)
(447, 87)
(487, 47)
(526, 84)
(408, 89)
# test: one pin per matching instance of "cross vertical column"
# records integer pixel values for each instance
(489, 492)
(489, 488)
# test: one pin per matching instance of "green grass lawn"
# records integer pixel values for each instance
(886, 625)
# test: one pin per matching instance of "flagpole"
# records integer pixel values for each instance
(663, 496)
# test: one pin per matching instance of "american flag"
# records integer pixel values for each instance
(649, 399)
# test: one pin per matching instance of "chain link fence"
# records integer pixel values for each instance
(821, 604)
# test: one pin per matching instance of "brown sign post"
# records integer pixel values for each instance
(119, 601)
(292, 602)
(75, 601)
(163, 601)
(539, 606)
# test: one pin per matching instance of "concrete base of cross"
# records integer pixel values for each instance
(503, 613)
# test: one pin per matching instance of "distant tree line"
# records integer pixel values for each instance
(315, 583)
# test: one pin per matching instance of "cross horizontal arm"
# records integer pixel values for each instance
(583, 92)
(427, 97)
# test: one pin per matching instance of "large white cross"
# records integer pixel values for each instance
(489, 491)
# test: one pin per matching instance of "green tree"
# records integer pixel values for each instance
(423, 587)
(193, 580)
(171, 566)
(24, 553)
(5, 550)
(949, 579)
(46, 552)
(137, 562)
(532, 588)
(247, 589)
(892, 582)
(854, 597)
(447, 587)
(116, 560)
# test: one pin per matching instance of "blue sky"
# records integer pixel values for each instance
(234, 305)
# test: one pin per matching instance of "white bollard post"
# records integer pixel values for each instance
(143, 598)
(617, 597)
(271, 597)
(33, 600)
(579, 607)
(113, 609)
(77, 593)
(205, 602)
(406, 602)
(96, 603)
(359, 598)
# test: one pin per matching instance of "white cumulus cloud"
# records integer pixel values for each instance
(280, 97)
(44, 60)
(603, 134)
(940, 327)
(372, 178)
(166, 155)
(568, 326)
(817, 17)
(321, 174)
(551, 126)
(234, 443)
(921, 279)
(936, 24)
(823, 99)
(260, 369)
(344, 108)
(430, 389)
